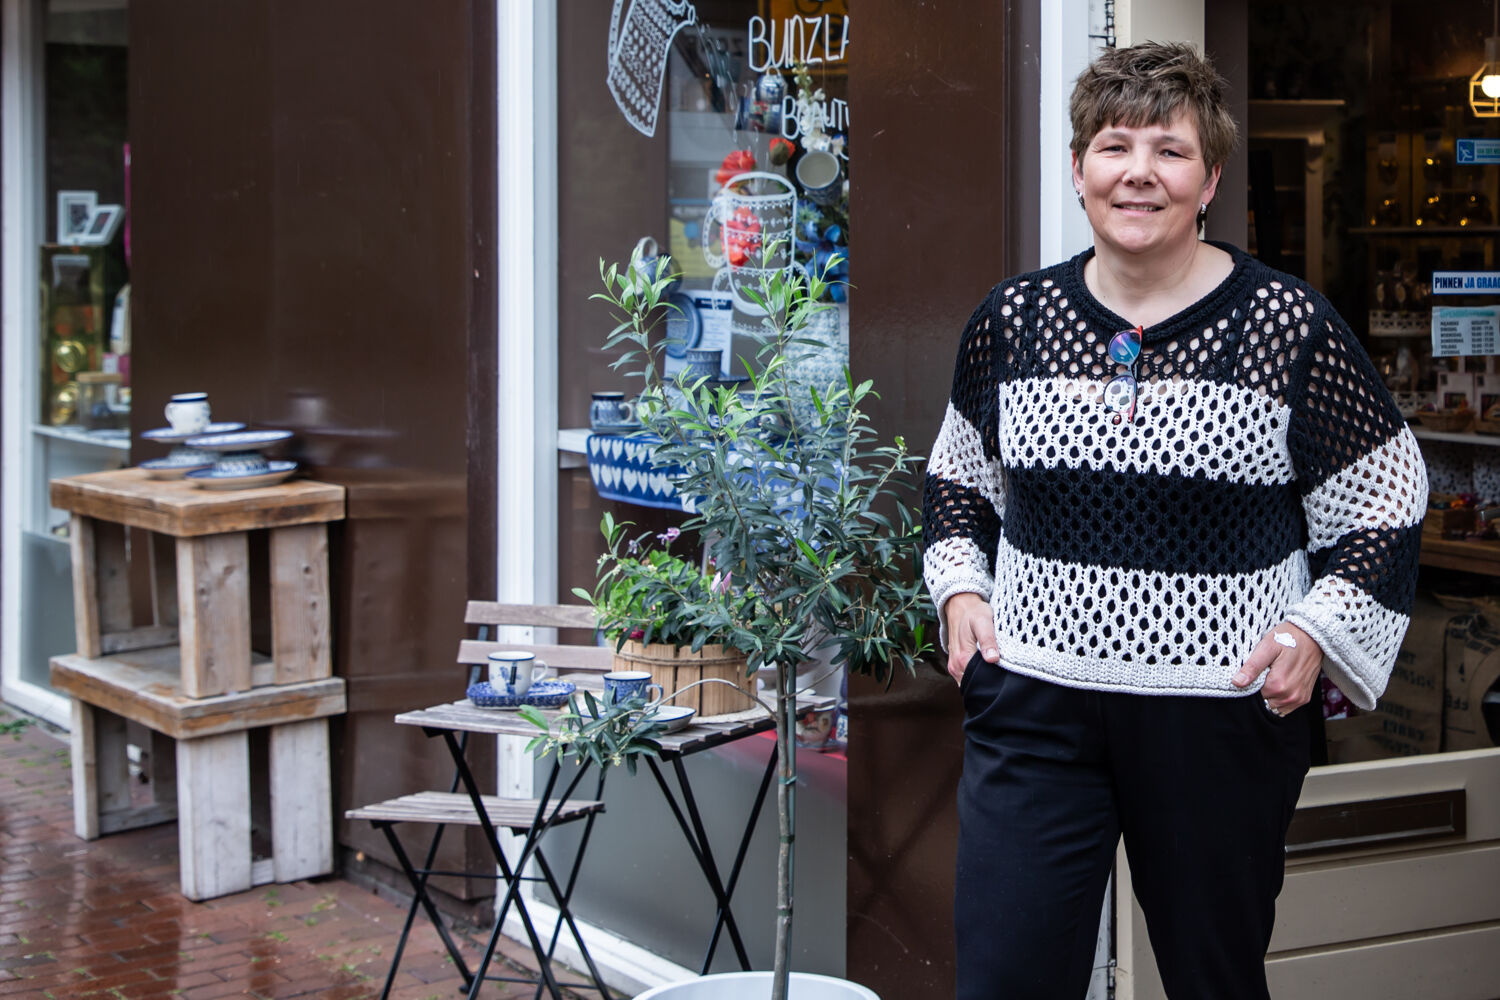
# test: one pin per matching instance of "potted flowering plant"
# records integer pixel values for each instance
(804, 514)
(659, 610)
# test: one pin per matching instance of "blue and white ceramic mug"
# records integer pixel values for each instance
(188, 412)
(610, 411)
(513, 671)
(821, 177)
(625, 684)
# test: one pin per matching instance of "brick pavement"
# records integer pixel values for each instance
(104, 918)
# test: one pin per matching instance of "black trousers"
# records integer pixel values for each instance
(1202, 789)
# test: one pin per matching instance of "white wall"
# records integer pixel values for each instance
(1158, 21)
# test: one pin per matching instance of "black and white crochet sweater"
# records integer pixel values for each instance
(1267, 476)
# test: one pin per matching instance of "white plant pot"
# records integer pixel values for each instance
(757, 986)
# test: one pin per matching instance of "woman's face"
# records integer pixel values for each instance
(1142, 186)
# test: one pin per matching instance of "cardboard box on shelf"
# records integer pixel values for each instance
(1408, 719)
(1473, 667)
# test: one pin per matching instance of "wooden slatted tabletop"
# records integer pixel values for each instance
(178, 508)
(464, 716)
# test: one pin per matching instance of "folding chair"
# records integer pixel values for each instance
(529, 817)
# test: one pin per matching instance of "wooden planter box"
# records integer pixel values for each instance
(674, 668)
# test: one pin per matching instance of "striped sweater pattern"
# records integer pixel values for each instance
(1266, 476)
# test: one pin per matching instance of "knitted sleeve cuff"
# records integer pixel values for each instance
(955, 566)
(1359, 637)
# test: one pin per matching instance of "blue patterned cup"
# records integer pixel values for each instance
(623, 684)
(512, 671)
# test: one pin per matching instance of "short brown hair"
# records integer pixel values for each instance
(1148, 84)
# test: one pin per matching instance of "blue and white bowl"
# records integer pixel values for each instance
(244, 463)
(673, 717)
(213, 479)
(543, 694)
(175, 466)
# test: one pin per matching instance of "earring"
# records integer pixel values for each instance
(1080, 199)
(1202, 218)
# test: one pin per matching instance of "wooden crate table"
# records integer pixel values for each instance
(191, 677)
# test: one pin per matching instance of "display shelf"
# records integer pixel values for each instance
(1434, 231)
(1457, 437)
(117, 440)
(1471, 557)
(573, 447)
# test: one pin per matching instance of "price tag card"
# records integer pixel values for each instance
(1461, 331)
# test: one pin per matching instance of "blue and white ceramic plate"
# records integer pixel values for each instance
(238, 440)
(543, 694)
(170, 435)
(171, 468)
(216, 479)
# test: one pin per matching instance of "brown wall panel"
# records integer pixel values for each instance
(929, 127)
(303, 228)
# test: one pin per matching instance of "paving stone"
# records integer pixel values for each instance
(105, 919)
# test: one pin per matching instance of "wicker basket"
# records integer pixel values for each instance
(675, 667)
(1446, 420)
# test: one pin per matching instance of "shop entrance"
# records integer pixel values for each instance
(1368, 172)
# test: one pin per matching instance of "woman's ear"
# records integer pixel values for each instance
(1211, 185)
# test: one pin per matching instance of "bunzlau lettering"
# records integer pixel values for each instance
(781, 44)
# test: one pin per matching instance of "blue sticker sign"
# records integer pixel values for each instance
(1466, 282)
(1477, 151)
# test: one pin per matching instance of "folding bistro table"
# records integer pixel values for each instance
(533, 818)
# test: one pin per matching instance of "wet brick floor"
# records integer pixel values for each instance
(104, 918)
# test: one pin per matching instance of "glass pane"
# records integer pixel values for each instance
(708, 131)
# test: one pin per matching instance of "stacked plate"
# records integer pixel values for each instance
(183, 459)
(239, 462)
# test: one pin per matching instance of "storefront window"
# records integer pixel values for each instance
(708, 131)
(1369, 175)
(78, 408)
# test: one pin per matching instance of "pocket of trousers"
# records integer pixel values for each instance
(976, 663)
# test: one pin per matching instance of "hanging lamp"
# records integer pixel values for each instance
(1484, 85)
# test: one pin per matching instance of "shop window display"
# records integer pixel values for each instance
(707, 132)
(76, 393)
(1406, 212)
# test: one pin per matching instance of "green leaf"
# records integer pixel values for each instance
(532, 715)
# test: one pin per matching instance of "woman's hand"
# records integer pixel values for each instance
(1294, 660)
(971, 626)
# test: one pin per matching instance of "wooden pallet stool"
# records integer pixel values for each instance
(190, 676)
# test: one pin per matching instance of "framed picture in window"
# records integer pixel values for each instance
(102, 226)
(74, 209)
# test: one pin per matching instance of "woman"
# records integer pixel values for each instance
(1168, 490)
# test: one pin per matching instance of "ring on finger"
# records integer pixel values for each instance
(1271, 708)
